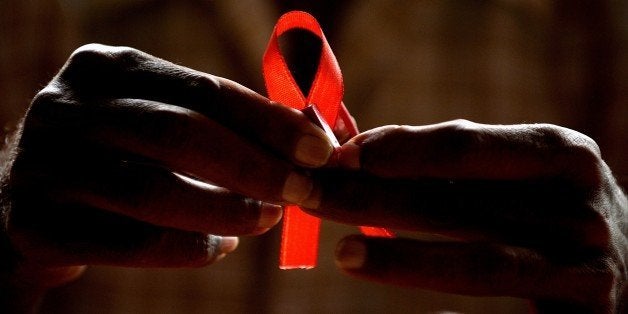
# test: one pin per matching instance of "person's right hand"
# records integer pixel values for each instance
(101, 171)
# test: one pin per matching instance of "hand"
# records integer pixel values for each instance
(528, 211)
(126, 159)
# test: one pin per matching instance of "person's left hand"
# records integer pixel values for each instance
(532, 211)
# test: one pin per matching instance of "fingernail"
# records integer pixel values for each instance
(349, 156)
(313, 151)
(350, 254)
(228, 244)
(269, 216)
(297, 188)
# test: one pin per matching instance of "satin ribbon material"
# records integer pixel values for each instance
(299, 242)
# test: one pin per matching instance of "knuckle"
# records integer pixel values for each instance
(99, 55)
(90, 56)
(41, 104)
(575, 149)
(49, 94)
(89, 52)
(569, 141)
(174, 248)
(204, 87)
(51, 107)
(97, 62)
(460, 123)
(202, 250)
(584, 150)
(455, 139)
(459, 131)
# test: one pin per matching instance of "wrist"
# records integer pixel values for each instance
(16, 296)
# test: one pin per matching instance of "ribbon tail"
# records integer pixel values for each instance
(299, 239)
(299, 242)
(377, 232)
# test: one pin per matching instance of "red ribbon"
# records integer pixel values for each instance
(299, 242)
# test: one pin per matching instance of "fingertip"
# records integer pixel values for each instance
(297, 188)
(217, 247)
(228, 244)
(351, 253)
(313, 150)
(348, 156)
(270, 215)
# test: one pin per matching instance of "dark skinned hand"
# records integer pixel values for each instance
(129, 160)
(529, 211)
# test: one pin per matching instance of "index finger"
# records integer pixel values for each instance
(465, 150)
(98, 71)
(542, 213)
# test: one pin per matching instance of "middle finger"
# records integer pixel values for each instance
(516, 212)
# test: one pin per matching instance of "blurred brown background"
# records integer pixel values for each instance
(404, 62)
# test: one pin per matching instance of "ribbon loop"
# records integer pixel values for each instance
(327, 87)
(299, 242)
